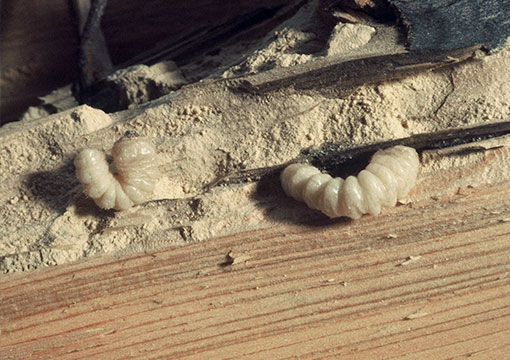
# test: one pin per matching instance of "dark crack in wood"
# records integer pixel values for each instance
(340, 160)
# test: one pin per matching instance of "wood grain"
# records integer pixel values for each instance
(330, 73)
(431, 280)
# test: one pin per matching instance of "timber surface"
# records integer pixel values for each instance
(427, 281)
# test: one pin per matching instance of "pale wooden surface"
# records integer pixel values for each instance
(427, 281)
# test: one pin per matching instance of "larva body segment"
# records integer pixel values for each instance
(137, 173)
(313, 185)
(296, 176)
(389, 177)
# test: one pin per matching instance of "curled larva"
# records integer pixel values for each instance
(136, 173)
(389, 177)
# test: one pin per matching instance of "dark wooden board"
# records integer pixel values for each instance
(453, 24)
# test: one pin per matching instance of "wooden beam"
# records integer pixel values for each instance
(431, 280)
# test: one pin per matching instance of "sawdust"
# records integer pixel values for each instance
(283, 47)
(205, 131)
(139, 84)
(347, 37)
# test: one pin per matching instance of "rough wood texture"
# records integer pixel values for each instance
(345, 162)
(445, 25)
(430, 280)
(34, 65)
(348, 74)
(38, 44)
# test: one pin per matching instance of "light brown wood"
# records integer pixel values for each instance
(427, 281)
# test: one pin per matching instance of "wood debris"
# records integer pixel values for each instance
(416, 315)
(236, 258)
(410, 260)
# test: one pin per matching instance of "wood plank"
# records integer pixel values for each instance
(428, 280)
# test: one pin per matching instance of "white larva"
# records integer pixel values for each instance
(389, 177)
(136, 173)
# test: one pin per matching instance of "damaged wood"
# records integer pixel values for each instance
(445, 25)
(440, 25)
(341, 77)
(344, 161)
(213, 37)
